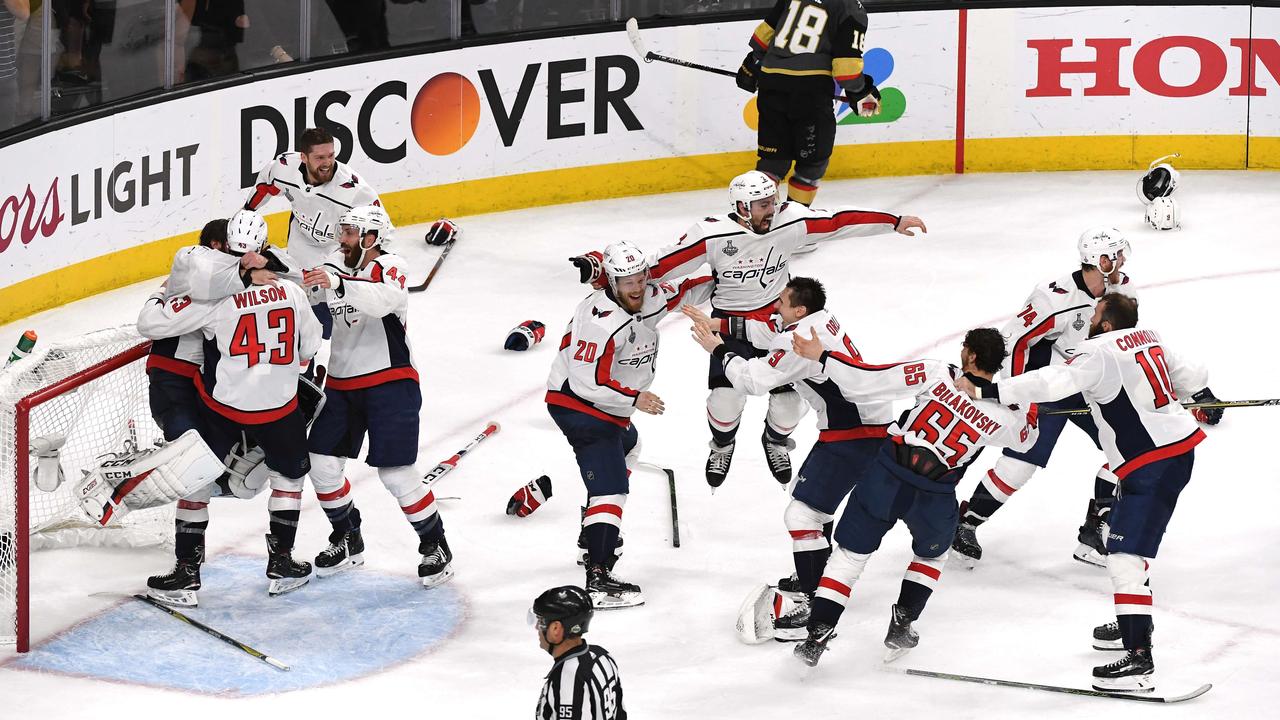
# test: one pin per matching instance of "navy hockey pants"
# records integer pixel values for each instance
(1051, 427)
(175, 406)
(886, 494)
(1145, 503)
(283, 441)
(831, 470)
(600, 447)
(388, 413)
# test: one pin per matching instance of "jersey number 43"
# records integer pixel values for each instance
(279, 333)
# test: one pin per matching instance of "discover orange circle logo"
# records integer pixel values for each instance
(445, 114)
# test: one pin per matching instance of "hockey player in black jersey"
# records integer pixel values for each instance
(796, 52)
(583, 683)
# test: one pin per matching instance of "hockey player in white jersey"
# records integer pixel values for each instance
(319, 190)
(372, 387)
(1132, 383)
(255, 343)
(1053, 321)
(598, 380)
(748, 251)
(849, 434)
(913, 477)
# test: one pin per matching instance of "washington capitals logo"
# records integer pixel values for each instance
(596, 312)
(729, 249)
(1054, 287)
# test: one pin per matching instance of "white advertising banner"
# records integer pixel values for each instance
(1264, 105)
(1107, 71)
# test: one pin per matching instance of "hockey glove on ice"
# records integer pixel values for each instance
(1208, 416)
(442, 232)
(746, 77)
(530, 497)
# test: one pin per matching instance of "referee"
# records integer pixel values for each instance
(583, 683)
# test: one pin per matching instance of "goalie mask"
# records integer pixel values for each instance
(1160, 180)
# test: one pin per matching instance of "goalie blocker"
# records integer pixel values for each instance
(148, 478)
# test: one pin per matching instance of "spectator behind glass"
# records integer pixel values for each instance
(219, 29)
(363, 23)
(12, 12)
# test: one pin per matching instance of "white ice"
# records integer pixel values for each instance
(1024, 614)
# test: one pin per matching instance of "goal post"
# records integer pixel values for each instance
(89, 392)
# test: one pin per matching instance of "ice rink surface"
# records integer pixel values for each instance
(1025, 613)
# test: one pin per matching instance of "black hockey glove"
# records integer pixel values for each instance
(863, 96)
(746, 78)
(442, 232)
(590, 268)
(1208, 416)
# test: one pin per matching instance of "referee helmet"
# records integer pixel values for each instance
(569, 604)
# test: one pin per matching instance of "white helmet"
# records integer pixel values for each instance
(1159, 181)
(246, 232)
(1163, 214)
(750, 186)
(622, 259)
(1097, 243)
(370, 219)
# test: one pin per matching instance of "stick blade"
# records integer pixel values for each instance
(633, 32)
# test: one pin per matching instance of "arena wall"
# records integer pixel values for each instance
(106, 202)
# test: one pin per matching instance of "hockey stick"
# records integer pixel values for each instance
(671, 485)
(1212, 404)
(446, 465)
(224, 638)
(633, 32)
(1057, 688)
(435, 269)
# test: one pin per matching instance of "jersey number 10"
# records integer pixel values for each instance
(1157, 371)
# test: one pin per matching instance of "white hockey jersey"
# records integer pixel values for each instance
(609, 356)
(256, 343)
(313, 225)
(198, 274)
(840, 416)
(944, 420)
(750, 270)
(1053, 322)
(370, 315)
(1132, 384)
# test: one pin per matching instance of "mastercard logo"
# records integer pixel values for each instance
(445, 114)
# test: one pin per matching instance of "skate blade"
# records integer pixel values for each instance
(963, 560)
(787, 635)
(1089, 556)
(1127, 686)
(1106, 645)
(280, 586)
(440, 578)
(606, 601)
(351, 561)
(894, 653)
(176, 598)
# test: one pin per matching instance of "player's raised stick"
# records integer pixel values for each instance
(633, 32)
(447, 465)
(1208, 405)
(210, 631)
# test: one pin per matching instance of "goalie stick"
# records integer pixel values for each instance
(435, 268)
(671, 486)
(1057, 688)
(205, 628)
(1212, 404)
(446, 465)
(633, 32)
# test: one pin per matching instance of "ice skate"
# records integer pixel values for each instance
(967, 550)
(777, 454)
(179, 586)
(609, 592)
(1093, 541)
(793, 626)
(345, 551)
(1133, 673)
(718, 464)
(901, 638)
(285, 573)
(810, 651)
(436, 566)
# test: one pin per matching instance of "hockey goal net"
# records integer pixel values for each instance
(92, 391)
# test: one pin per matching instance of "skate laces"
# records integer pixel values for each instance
(720, 458)
(1130, 657)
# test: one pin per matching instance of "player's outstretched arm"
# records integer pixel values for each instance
(160, 318)
(1055, 382)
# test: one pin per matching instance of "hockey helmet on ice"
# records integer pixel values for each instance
(1163, 214)
(1160, 180)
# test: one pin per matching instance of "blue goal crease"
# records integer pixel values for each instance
(333, 630)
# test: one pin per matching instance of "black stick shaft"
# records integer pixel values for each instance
(651, 56)
(1213, 404)
(675, 515)
(210, 631)
(434, 269)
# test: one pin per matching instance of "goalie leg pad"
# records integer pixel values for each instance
(149, 478)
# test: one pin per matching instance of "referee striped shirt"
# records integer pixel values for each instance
(582, 685)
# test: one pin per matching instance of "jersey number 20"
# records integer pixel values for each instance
(244, 341)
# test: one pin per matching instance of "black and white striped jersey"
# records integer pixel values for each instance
(582, 685)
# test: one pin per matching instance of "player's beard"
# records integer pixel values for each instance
(351, 256)
(1095, 330)
(763, 226)
(320, 175)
